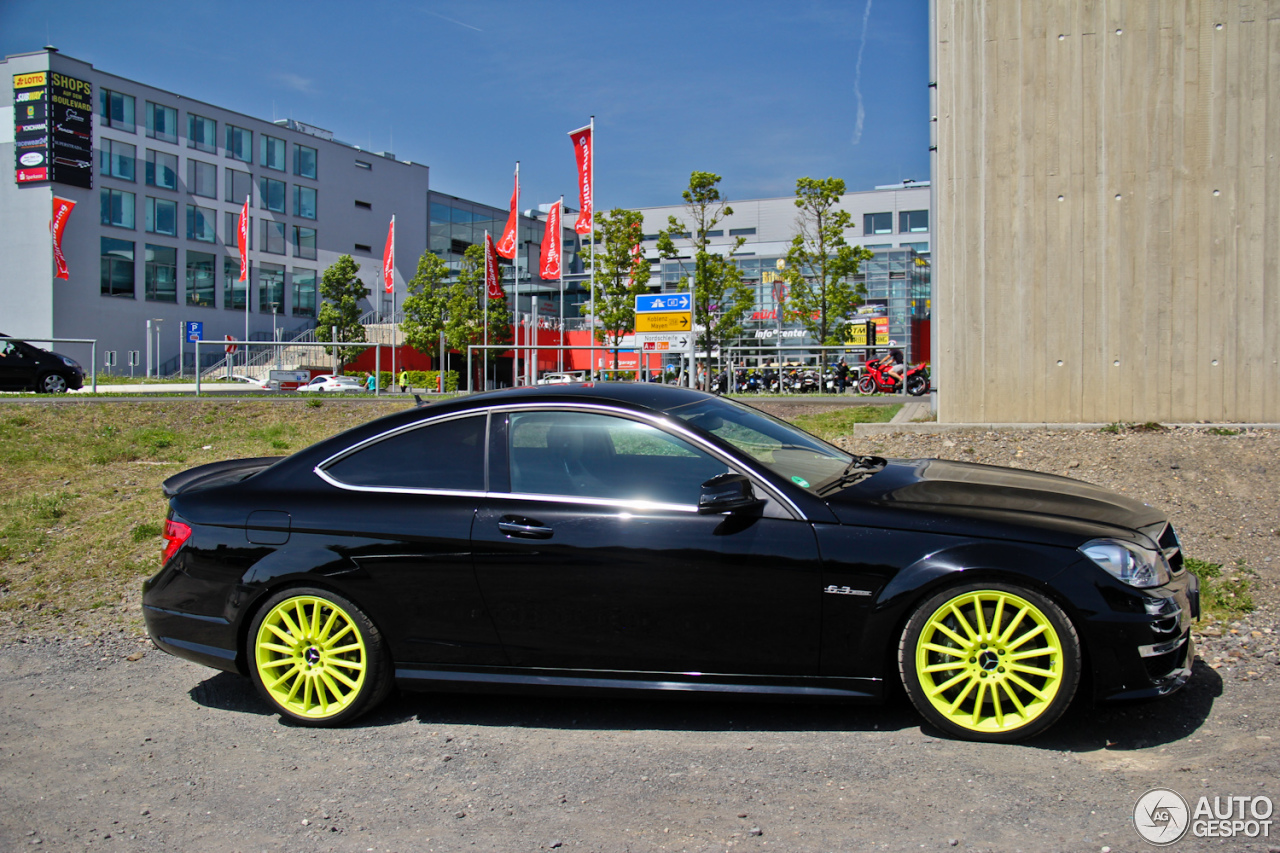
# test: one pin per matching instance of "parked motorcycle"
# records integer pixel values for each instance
(876, 378)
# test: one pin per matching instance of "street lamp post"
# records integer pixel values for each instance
(275, 334)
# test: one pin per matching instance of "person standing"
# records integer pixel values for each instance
(370, 382)
(404, 381)
(842, 376)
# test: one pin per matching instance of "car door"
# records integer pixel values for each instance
(17, 366)
(595, 558)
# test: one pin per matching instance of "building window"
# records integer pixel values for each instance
(162, 170)
(231, 232)
(719, 232)
(304, 161)
(239, 185)
(271, 194)
(877, 223)
(117, 110)
(234, 291)
(162, 122)
(272, 237)
(742, 232)
(202, 133)
(239, 143)
(161, 274)
(361, 247)
(117, 267)
(202, 179)
(913, 221)
(270, 288)
(200, 224)
(921, 248)
(162, 216)
(360, 164)
(304, 292)
(117, 208)
(118, 159)
(271, 153)
(200, 283)
(304, 202)
(304, 242)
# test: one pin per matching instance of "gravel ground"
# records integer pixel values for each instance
(106, 743)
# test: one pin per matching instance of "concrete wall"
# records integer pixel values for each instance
(1108, 204)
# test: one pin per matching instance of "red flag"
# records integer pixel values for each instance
(582, 150)
(551, 244)
(242, 240)
(492, 282)
(389, 259)
(637, 254)
(61, 210)
(507, 245)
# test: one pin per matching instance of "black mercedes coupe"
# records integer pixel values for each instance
(636, 537)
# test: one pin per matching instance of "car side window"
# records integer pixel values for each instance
(581, 454)
(446, 455)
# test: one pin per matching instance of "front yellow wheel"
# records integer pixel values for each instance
(317, 658)
(990, 662)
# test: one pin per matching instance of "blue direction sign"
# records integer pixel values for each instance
(663, 302)
(195, 331)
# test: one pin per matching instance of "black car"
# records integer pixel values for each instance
(24, 367)
(638, 537)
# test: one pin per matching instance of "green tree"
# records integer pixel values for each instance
(426, 305)
(464, 313)
(720, 301)
(820, 263)
(622, 274)
(341, 291)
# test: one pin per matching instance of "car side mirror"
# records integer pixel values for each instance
(727, 493)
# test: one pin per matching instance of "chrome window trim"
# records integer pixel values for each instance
(673, 426)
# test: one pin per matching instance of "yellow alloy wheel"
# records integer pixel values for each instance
(991, 663)
(312, 657)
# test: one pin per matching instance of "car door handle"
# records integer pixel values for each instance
(524, 528)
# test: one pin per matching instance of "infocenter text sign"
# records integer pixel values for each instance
(53, 129)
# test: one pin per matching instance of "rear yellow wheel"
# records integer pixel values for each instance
(990, 662)
(317, 658)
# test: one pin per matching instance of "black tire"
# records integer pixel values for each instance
(866, 385)
(999, 677)
(917, 386)
(316, 658)
(51, 383)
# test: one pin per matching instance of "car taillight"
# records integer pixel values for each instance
(175, 534)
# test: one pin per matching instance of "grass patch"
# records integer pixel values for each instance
(1223, 431)
(1222, 597)
(837, 422)
(73, 560)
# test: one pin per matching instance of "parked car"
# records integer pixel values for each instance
(254, 384)
(562, 378)
(24, 367)
(641, 537)
(334, 384)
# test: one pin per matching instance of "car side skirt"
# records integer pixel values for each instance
(510, 680)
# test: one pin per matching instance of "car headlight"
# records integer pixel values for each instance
(1132, 564)
(69, 362)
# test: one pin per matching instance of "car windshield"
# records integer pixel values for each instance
(788, 451)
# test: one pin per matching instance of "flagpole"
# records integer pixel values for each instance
(484, 357)
(393, 299)
(560, 248)
(515, 272)
(592, 169)
(248, 284)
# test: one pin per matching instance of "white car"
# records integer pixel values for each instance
(329, 384)
(254, 384)
(562, 378)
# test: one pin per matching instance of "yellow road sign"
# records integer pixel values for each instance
(669, 321)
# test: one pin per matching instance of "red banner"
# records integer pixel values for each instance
(389, 259)
(492, 281)
(551, 244)
(242, 240)
(61, 210)
(582, 151)
(507, 245)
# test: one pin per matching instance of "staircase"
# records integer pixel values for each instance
(295, 356)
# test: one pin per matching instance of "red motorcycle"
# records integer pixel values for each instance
(876, 378)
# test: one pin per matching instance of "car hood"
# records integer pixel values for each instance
(987, 500)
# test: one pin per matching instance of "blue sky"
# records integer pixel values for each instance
(761, 93)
